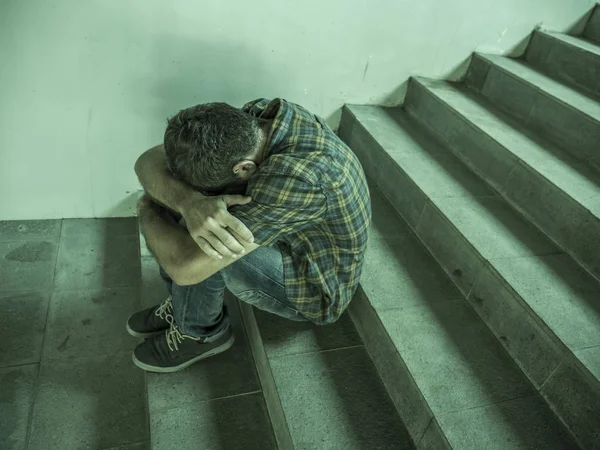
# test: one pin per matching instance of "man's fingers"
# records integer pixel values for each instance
(236, 200)
(217, 244)
(238, 226)
(207, 248)
(229, 241)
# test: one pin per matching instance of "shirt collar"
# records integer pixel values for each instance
(281, 113)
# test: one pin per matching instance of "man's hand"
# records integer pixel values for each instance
(211, 225)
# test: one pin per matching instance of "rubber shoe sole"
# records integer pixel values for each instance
(144, 335)
(215, 351)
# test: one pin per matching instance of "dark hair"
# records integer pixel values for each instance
(204, 142)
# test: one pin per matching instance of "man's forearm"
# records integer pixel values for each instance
(159, 183)
(175, 250)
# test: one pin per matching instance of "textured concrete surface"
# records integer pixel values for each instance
(566, 58)
(87, 392)
(144, 445)
(277, 416)
(520, 332)
(439, 339)
(590, 358)
(436, 171)
(592, 30)
(434, 438)
(559, 194)
(22, 324)
(379, 166)
(455, 129)
(412, 275)
(227, 374)
(235, 423)
(577, 396)
(17, 230)
(429, 164)
(445, 242)
(334, 399)
(561, 293)
(328, 388)
(523, 423)
(571, 216)
(17, 388)
(82, 320)
(95, 256)
(27, 263)
(495, 229)
(447, 341)
(92, 402)
(283, 337)
(555, 110)
(549, 88)
(396, 376)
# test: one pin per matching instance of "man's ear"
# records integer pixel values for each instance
(245, 169)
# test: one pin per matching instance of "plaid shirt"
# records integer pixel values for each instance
(310, 197)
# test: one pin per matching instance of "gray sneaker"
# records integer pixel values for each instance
(175, 351)
(151, 321)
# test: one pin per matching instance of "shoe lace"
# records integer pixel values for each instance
(173, 335)
(165, 310)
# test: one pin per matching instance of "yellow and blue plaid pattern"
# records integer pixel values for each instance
(310, 197)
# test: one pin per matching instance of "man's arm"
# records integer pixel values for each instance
(208, 221)
(174, 248)
(157, 181)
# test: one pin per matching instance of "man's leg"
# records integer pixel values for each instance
(199, 324)
(192, 325)
(258, 279)
(198, 310)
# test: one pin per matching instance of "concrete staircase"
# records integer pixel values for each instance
(477, 324)
(283, 385)
(498, 177)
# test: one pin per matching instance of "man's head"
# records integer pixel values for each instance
(213, 146)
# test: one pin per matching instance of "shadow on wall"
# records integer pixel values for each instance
(187, 72)
(184, 72)
(126, 207)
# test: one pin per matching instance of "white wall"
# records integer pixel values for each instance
(86, 85)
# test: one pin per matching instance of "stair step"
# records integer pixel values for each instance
(211, 399)
(328, 388)
(592, 30)
(451, 380)
(552, 189)
(283, 385)
(477, 237)
(566, 58)
(554, 110)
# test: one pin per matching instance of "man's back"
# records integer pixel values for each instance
(310, 196)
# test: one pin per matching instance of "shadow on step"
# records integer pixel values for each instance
(493, 227)
(215, 403)
(544, 142)
(470, 383)
(329, 389)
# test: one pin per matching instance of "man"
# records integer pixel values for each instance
(293, 245)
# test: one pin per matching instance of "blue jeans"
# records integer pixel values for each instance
(257, 279)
